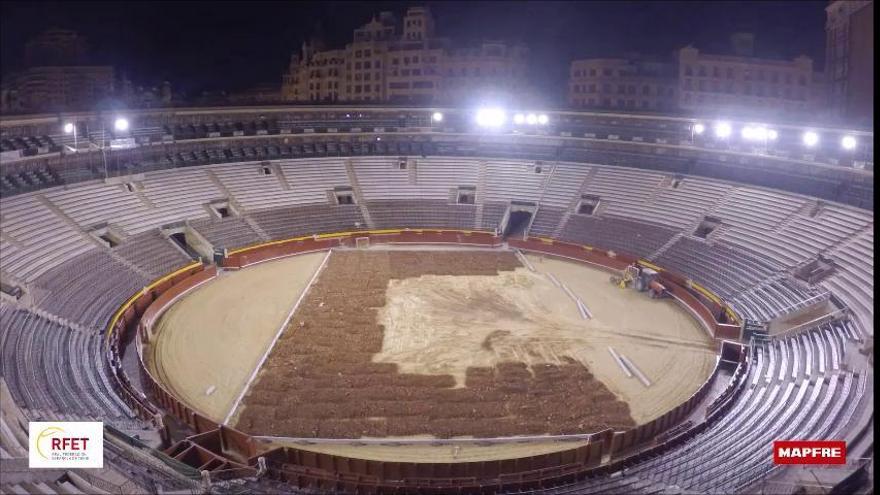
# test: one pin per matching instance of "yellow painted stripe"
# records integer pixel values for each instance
(134, 296)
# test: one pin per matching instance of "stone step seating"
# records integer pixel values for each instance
(153, 253)
(231, 233)
(617, 234)
(780, 401)
(308, 220)
(252, 188)
(757, 209)
(421, 213)
(514, 180)
(309, 179)
(625, 192)
(180, 194)
(57, 372)
(683, 206)
(43, 240)
(88, 288)
(565, 184)
(546, 220)
(722, 270)
(773, 298)
(95, 203)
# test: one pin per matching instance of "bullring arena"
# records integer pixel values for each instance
(400, 308)
(446, 343)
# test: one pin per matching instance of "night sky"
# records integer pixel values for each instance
(235, 45)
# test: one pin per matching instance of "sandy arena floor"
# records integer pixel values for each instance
(223, 329)
(448, 343)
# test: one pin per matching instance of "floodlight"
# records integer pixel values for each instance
(748, 133)
(543, 119)
(490, 117)
(437, 117)
(811, 138)
(848, 143)
(121, 124)
(519, 119)
(722, 130)
(531, 119)
(699, 128)
(772, 134)
(68, 128)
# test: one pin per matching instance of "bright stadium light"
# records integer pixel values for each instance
(848, 143)
(811, 138)
(722, 130)
(748, 133)
(437, 117)
(543, 119)
(699, 128)
(68, 128)
(772, 134)
(490, 117)
(531, 119)
(519, 119)
(121, 124)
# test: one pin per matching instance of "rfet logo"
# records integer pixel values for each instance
(809, 452)
(66, 444)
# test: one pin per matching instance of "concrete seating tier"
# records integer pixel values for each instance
(52, 370)
(309, 179)
(723, 270)
(309, 220)
(421, 213)
(88, 288)
(546, 221)
(617, 234)
(231, 233)
(35, 238)
(153, 253)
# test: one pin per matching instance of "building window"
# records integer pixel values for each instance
(366, 53)
(606, 87)
(606, 72)
(368, 65)
(592, 88)
(358, 54)
(592, 102)
(405, 60)
(620, 103)
(592, 72)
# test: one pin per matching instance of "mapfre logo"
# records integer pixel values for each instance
(66, 444)
(809, 452)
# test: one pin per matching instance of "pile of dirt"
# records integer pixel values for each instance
(320, 380)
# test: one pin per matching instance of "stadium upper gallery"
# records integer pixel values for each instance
(414, 264)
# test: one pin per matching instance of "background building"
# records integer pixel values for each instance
(735, 85)
(391, 61)
(742, 85)
(629, 83)
(849, 59)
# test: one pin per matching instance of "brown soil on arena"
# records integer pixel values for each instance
(321, 379)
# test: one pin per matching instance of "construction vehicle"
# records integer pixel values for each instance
(642, 279)
(626, 277)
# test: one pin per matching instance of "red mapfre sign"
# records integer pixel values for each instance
(809, 452)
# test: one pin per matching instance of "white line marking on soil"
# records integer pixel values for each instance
(641, 376)
(620, 363)
(275, 340)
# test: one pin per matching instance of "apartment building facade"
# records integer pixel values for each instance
(622, 84)
(390, 61)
